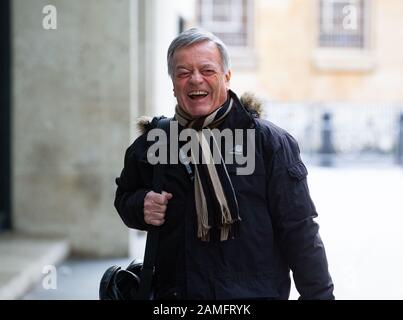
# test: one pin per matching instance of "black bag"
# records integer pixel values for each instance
(121, 284)
(135, 282)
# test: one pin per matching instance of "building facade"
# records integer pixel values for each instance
(82, 72)
(308, 57)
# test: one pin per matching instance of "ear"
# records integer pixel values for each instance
(228, 78)
(174, 92)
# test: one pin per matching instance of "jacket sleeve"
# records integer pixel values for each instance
(293, 214)
(130, 193)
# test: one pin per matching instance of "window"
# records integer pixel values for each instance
(342, 24)
(230, 20)
(343, 39)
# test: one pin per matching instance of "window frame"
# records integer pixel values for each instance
(328, 20)
(242, 56)
(349, 59)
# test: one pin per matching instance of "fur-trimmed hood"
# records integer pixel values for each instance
(248, 100)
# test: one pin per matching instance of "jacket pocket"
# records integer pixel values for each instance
(298, 171)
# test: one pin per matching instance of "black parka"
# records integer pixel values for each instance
(277, 232)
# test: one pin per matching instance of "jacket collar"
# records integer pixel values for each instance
(242, 116)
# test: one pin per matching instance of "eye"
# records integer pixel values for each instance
(208, 72)
(183, 74)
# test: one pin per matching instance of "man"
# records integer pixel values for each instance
(224, 235)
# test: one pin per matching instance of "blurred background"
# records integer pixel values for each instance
(75, 75)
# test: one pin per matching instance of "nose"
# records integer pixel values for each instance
(196, 77)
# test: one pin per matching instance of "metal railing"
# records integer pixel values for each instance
(342, 128)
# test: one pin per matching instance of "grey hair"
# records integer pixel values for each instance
(197, 35)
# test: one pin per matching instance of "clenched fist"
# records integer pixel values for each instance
(155, 205)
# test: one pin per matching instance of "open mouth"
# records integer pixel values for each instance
(197, 94)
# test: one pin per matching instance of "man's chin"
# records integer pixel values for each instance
(199, 111)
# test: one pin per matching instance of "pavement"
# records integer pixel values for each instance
(361, 224)
(76, 279)
(23, 259)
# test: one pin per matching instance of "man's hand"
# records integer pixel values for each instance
(155, 205)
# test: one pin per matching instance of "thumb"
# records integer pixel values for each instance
(167, 195)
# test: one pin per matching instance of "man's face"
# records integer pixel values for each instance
(200, 85)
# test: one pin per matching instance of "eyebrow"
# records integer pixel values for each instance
(181, 67)
(207, 65)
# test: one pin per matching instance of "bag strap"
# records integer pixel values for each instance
(150, 253)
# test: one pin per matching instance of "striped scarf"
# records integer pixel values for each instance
(215, 199)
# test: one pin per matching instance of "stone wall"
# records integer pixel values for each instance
(71, 121)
